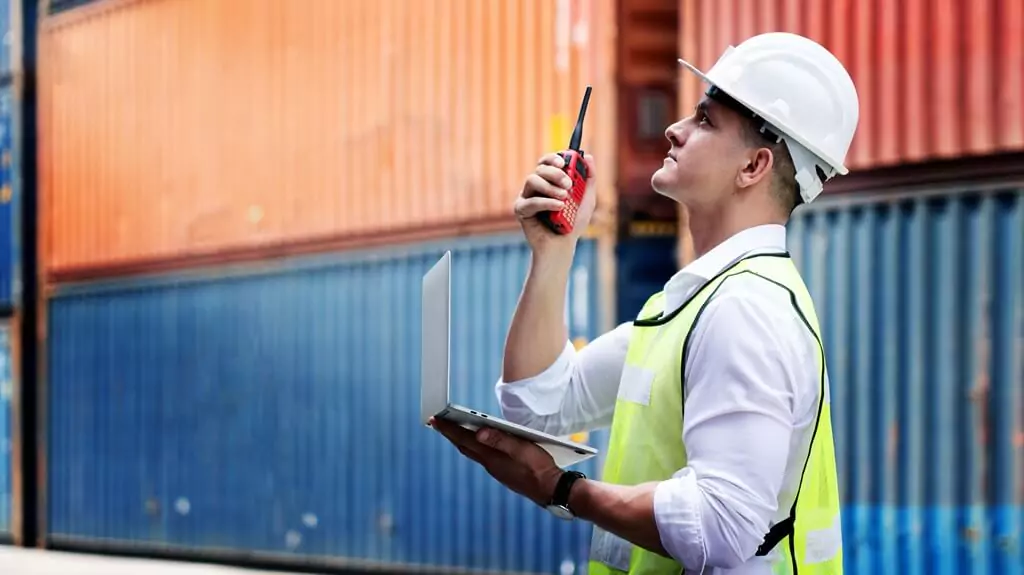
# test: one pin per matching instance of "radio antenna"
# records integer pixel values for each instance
(577, 132)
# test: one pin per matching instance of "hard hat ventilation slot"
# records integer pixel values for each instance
(768, 133)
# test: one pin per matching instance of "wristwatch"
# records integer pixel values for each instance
(559, 506)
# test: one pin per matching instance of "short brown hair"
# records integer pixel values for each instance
(784, 187)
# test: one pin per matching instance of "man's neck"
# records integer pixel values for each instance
(710, 228)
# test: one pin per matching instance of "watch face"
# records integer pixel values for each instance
(560, 512)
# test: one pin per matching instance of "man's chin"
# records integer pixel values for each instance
(663, 184)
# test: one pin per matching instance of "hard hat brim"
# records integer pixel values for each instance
(695, 71)
(840, 168)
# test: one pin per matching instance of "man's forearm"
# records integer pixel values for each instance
(538, 334)
(624, 511)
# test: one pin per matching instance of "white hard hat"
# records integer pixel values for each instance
(801, 91)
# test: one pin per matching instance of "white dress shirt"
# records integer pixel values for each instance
(751, 395)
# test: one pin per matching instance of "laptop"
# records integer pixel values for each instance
(434, 385)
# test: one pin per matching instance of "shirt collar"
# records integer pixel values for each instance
(768, 238)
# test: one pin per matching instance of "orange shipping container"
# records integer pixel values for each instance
(937, 79)
(170, 129)
(648, 77)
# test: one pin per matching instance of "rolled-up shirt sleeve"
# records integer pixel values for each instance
(575, 393)
(748, 370)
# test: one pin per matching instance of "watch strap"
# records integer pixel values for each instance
(564, 485)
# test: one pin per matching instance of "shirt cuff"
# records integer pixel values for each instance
(541, 394)
(677, 513)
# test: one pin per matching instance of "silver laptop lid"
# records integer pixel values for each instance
(435, 338)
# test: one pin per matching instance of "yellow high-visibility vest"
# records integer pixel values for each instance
(646, 439)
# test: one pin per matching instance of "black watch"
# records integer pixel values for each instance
(559, 506)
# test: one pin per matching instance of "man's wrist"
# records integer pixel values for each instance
(553, 257)
(549, 485)
(558, 500)
(577, 502)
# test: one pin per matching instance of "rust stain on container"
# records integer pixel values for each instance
(173, 128)
(936, 80)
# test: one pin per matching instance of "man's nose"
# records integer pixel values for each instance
(676, 135)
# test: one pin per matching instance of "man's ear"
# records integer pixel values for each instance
(758, 166)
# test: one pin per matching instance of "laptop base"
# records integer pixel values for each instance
(565, 452)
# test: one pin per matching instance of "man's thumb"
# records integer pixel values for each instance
(589, 159)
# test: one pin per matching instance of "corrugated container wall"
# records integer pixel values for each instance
(9, 49)
(921, 302)
(171, 128)
(647, 78)
(644, 262)
(9, 255)
(8, 204)
(9, 225)
(936, 80)
(6, 428)
(277, 410)
(56, 6)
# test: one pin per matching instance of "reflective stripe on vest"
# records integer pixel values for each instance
(646, 434)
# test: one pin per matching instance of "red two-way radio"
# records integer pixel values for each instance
(563, 221)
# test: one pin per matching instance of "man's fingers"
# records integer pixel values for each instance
(454, 432)
(552, 159)
(471, 453)
(555, 176)
(538, 186)
(530, 207)
(464, 440)
(502, 442)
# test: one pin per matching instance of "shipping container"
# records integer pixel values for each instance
(9, 260)
(9, 225)
(645, 260)
(275, 409)
(6, 432)
(921, 302)
(936, 80)
(647, 78)
(7, 28)
(57, 6)
(170, 129)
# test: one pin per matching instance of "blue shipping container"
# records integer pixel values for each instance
(58, 6)
(642, 266)
(6, 450)
(9, 35)
(921, 301)
(9, 228)
(276, 410)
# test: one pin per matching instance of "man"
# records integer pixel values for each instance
(720, 457)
